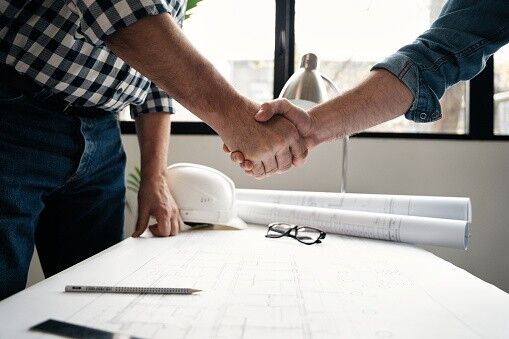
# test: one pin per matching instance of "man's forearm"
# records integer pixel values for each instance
(381, 97)
(154, 196)
(157, 48)
(153, 131)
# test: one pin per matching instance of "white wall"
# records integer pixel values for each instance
(398, 166)
(478, 170)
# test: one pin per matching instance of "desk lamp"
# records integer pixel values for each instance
(307, 88)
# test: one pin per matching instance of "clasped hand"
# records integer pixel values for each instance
(285, 141)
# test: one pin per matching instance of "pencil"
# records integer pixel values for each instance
(137, 290)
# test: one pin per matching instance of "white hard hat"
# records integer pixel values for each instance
(204, 195)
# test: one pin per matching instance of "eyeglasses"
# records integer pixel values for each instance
(306, 235)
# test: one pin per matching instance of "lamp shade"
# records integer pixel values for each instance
(307, 87)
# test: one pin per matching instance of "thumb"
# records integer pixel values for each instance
(284, 107)
(267, 111)
(142, 222)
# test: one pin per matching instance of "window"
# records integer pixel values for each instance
(244, 53)
(351, 36)
(257, 45)
(501, 96)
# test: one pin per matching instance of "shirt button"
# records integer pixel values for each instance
(119, 90)
(423, 116)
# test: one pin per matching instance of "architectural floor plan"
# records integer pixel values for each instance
(255, 287)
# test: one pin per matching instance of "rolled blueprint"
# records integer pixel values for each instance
(420, 206)
(392, 227)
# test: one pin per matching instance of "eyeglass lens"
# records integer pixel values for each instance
(278, 230)
(307, 235)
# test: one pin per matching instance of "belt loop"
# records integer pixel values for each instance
(66, 107)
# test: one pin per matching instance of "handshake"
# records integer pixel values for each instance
(270, 138)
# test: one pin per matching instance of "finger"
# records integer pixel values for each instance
(155, 230)
(299, 153)
(282, 106)
(247, 165)
(181, 224)
(284, 160)
(174, 226)
(142, 222)
(237, 157)
(258, 170)
(175, 222)
(164, 223)
(311, 142)
(270, 165)
(226, 149)
(249, 172)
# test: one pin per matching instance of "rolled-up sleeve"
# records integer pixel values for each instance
(157, 101)
(455, 48)
(100, 18)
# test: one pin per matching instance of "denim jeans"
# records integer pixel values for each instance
(62, 188)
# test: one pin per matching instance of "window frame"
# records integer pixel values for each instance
(480, 90)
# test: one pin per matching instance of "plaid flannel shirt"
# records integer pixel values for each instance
(60, 44)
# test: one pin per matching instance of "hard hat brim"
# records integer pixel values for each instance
(236, 223)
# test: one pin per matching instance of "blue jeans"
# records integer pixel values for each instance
(62, 188)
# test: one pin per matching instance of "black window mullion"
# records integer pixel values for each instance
(481, 106)
(284, 43)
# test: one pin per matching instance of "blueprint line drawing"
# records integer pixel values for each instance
(257, 287)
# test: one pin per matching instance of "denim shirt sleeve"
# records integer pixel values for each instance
(454, 48)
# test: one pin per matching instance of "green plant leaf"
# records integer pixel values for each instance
(190, 5)
(132, 189)
(133, 180)
(134, 177)
(132, 184)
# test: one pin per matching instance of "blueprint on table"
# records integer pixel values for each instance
(254, 287)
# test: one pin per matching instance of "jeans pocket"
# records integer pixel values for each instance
(8, 95)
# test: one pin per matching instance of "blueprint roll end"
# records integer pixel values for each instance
(468, 235)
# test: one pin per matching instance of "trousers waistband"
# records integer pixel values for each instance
(53, 101)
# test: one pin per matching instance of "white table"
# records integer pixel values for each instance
(254, 287)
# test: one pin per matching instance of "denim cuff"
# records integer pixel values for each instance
(426, 106)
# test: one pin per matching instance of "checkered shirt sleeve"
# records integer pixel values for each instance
(99, 18)
(157, 101)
